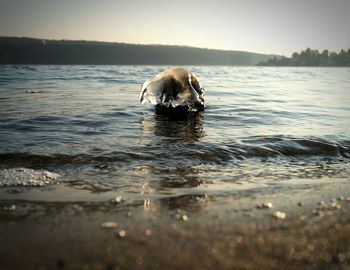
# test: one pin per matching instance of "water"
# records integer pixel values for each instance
(264, 130)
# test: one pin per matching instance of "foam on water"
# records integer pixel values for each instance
(27, 177)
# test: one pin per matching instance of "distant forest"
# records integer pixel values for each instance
(312, 58)
(14, 50)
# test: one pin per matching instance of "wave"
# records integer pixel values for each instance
(191, 153)
(289, 146)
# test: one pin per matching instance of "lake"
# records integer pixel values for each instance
(261, 126)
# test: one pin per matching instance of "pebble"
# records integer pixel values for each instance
(119, 199)
(279, 215)
(139, 260)
(322, 203)
(10, 208)
(239, 239)
(77, 207)
(121, 233)
(335, 205)
(320, 213)
(184, 218)
(265, 205)
(341, 257)
(108, 225)
(310, 247)
(181, 217)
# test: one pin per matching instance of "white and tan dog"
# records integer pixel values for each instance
(172, 88)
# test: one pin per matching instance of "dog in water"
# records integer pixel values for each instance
(175, 90)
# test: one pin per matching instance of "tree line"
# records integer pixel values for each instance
(311, 57)
(14, 50)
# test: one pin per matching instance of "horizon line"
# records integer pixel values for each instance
(142, 44)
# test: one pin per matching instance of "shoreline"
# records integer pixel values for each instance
(198, 232)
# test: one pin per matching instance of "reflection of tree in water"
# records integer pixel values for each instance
(188, 128)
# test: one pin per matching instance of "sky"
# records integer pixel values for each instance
(263, 26)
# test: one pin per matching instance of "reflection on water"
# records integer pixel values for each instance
(168, 186)
(164, 131)
(181, 177)
(195, 203)
(189, 128)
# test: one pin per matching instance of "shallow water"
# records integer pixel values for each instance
(264, 129)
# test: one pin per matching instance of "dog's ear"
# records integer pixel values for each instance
(193, 80)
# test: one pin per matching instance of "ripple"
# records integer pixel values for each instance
(191, 153)
(296, 147)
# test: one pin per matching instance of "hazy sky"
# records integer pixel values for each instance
(266, 26)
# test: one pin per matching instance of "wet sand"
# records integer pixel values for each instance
(189, 232)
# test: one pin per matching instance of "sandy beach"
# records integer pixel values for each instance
(190, 232)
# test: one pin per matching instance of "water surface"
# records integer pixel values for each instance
(264, 130)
